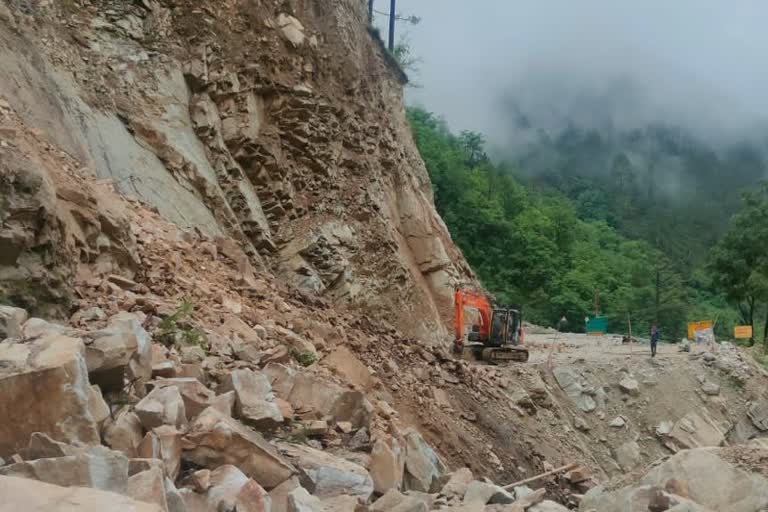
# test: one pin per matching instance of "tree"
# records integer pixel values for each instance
(529, 247)
(473, 144)
(739, 262)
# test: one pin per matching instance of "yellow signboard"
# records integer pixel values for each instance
(742, 332)
(698, 326)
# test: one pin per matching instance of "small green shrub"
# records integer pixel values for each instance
(303, 358)
(760, 356)
(299, 433)
(173, 331)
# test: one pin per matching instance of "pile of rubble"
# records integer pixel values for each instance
(112, 410)
(697, 480)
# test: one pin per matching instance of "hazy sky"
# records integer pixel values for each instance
(701, 63)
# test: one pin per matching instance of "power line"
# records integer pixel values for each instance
(410, 19)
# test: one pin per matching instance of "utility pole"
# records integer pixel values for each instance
(370, 12)
(597, 302)
(392, 25)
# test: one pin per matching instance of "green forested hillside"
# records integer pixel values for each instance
(537, 247)
(656, 184)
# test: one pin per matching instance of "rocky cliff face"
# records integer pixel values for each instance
(278, 124)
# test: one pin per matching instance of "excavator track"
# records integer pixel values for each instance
(505, 354)
(495, 355)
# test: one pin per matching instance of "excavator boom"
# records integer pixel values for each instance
(466, 298)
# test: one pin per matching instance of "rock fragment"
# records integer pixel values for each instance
(163, 443)
(423, 467)
(630, 386)
(710, 388)
(387, 465)
(148, 487)
(255, 403)
(215, 439)
(51, 369)
(124, 433)
(96, 467)
(11, 321)
(162, 406)
(122, 350)
(21, 494)
(618, 422)
(327, 476)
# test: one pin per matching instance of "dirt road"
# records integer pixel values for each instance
(567, 347)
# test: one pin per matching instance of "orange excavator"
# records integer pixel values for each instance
(499, 335)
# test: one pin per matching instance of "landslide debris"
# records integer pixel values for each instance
(223, 286)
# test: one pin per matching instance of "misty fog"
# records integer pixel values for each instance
(695, 63)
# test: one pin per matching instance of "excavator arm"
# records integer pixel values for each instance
(466, 298)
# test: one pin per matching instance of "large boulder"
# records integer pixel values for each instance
(254, 400)
(341, 504)
(485, 492)
(394, 501)
(162, 406)
(96, 467)
(279, 495)
(291, 29)
(423, 468)
(457, 482)
(122, 350)
(629, 386)
(569, 382)
(308, 392)
(98, 406)
(299, 500)
(44, 388)
(21, 494)
(173, 497)
(149, 487)
(11, 320)
(549, 506)
(124, 433)
(231, 489)
(327, 476)
(693, 430)
(349, 367)
(163, 443)
(758, 413)
(387, 465)
(196, 396)
(628, 455)
(710, 481)
(215, 439)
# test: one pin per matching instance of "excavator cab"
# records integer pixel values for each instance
(497, 335)
(505, 327)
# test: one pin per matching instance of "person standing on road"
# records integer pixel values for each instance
(655, 335)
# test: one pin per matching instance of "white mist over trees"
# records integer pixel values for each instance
(690, 63)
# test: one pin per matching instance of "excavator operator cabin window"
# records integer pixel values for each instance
(498, 325)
